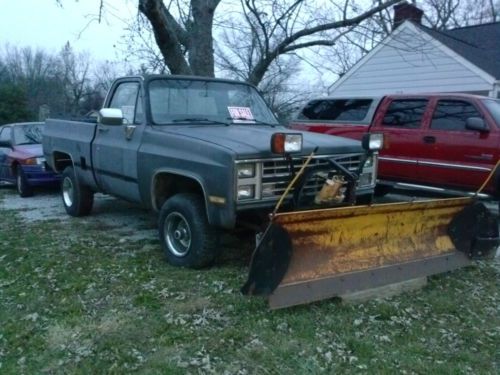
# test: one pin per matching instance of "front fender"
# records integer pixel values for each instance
(220, 209)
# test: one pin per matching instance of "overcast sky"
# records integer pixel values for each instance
(44, 24)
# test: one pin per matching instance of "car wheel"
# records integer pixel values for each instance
(77, 198)
(187, 238)
(22, 185)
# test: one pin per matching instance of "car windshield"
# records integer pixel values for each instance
(28, 134)
(207, 103)
(494, 108)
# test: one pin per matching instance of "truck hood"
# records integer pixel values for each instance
(254, 141)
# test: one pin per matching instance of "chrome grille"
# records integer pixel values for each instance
(276, 174)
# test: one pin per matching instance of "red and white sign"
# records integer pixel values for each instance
(240, 113)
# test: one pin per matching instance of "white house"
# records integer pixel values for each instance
(415, 58)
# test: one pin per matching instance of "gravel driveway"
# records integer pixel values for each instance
(125, 219)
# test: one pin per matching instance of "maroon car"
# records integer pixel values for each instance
(21, 158)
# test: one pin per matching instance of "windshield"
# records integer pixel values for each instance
(28, 134)
(494, 108)
(206, 102)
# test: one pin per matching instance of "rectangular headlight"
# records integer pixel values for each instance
(368, 162)
(246, 170)
(246, 192)
(365, 179)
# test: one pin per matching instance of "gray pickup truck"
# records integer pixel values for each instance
(207, 154)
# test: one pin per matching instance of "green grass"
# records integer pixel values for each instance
(74, 299)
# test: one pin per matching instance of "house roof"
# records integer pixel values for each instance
(479, 44)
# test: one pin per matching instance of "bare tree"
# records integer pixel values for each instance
(184, 31)
(75, 76)
(64, 81)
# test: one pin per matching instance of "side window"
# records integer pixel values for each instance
(452, 115)
(405, 113)
(125, 98)
(5, 134)
(336, 109)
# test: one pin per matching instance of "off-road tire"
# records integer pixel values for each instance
(186, 237)
(77, 198)
(22, 185)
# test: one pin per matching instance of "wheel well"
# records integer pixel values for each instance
(166, 185)
(61, 161)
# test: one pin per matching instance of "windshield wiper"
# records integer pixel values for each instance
(250, 122)
(198, 119)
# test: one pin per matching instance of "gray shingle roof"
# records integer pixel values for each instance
(479, 44)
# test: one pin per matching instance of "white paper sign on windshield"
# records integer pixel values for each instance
(240, 113)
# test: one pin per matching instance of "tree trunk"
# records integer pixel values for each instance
(201, 51)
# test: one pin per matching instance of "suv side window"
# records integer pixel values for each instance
(336, 109)
(452, 115)
(405, 113)
(125, 98)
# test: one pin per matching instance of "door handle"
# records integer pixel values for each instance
(429, 139)
(129, 131)
(103, 130)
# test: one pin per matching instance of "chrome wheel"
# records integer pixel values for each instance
(67, 191)
(177, 234)
(19, 182)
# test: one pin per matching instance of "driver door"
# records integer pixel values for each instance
(115, 146)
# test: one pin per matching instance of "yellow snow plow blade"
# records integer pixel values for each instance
(316, 254)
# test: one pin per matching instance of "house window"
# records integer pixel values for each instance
(405, 113)
(336, 110)
(452, 115)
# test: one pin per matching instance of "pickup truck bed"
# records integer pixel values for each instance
(73, 138)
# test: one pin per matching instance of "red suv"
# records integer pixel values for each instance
(437, 141)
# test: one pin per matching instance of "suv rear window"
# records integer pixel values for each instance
(405, 113)
(336, 109)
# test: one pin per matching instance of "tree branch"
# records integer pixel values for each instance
(313, 43)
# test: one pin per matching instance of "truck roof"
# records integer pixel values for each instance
(149, 77)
